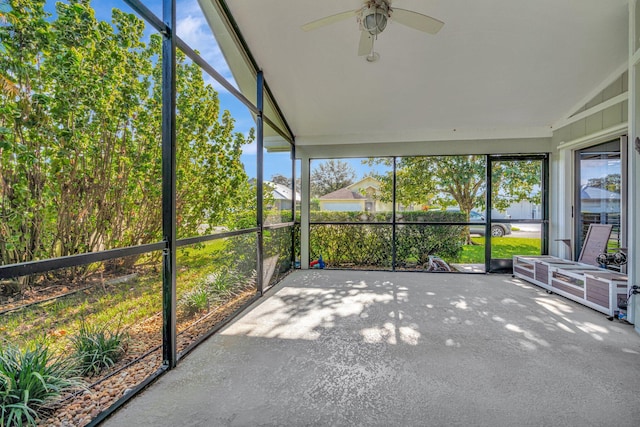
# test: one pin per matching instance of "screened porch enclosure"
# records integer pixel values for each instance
(236, 151)
(428, 213)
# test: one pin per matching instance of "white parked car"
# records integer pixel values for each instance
(497, 230)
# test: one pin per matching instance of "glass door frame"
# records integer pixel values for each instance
(576, 206)
(498, 265)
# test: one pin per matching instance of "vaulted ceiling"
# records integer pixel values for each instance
(497, 69)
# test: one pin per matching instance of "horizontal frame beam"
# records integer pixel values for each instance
(42, 266)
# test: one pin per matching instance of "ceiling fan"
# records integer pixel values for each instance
(373, 17)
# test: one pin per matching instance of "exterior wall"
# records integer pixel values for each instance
(337, 205)
(603, 118)
(365, 183)
(523, 210)
(283, 205)
(600, 119)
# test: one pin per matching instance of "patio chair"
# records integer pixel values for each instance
(595, 243)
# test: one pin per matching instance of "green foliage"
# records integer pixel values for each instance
(515, 181)
(444, 180)
(215, 287)
(431, 216)
(277, 248)
(194, 301)
(331, 175)
(417, 242)
(371, 245)
(29, 380)
(96, 347)
(611, 182)
(349, 216)
(501, 247)
(460, 181)
(80, 126)
(351, 245)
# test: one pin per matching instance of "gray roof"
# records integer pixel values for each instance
(282, 192)
(598, 193)
(343, 194)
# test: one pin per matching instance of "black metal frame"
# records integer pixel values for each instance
(488, 202)
(260, 182)
(169, 244)
(169, 184)
(501, 266)
(42, 266)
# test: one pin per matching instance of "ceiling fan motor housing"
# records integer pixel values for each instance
(374, 18)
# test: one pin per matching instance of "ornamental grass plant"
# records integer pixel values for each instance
(31, 379)
(96, 347)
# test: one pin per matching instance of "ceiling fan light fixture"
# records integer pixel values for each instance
(374, 20)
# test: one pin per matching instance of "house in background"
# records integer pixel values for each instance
(599, 200)
(343, 200)
(361, 196)
(282, 196)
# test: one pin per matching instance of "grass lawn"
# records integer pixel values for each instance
(501, 247)
(121, 305)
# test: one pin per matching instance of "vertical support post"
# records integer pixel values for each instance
(259, 183)
(488, 204)
(545, 206)
(293, 205)
(393, 218)
(169, 184)
(305, 188)
(633, 171)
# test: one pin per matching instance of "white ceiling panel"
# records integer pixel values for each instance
(498, 68)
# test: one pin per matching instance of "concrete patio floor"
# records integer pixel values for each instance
(347, 348)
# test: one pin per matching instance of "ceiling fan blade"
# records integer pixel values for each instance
(329, 20)
(416, 20)
(366, 43)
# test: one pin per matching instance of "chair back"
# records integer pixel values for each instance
(595, 243)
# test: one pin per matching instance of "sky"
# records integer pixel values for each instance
(192, 28)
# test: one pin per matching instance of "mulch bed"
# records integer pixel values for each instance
(80, 409)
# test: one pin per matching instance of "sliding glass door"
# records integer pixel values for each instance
(600, 195)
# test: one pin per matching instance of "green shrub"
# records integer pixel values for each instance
(29, 380)
(194, 301)
(349, 216)
(418, 235)
(417, 242)
(360, 245)
(220, 281)
(96, 348)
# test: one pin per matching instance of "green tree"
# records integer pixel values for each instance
(516, 181)
(459, 181)
(330, 176)
(280, 179)
(212, 186)
(611, 182)
(24, 36)
(80, 133)
(442, 180)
